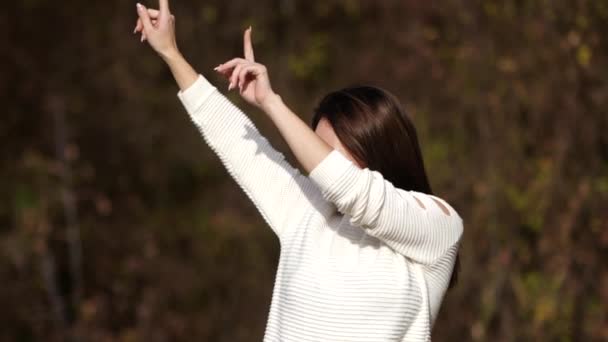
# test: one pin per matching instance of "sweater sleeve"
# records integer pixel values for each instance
(277, 189)
(388, 213)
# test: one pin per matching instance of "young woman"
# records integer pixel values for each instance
(367, 252)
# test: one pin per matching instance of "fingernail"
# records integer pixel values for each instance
(138, 5)
(230, 86)
(142, 38)
(134, 30)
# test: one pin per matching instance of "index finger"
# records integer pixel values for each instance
(247, 45)
(163, 6)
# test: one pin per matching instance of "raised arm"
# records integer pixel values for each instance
(412, 223)
(278, 190)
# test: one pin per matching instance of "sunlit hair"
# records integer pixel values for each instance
(375, 129)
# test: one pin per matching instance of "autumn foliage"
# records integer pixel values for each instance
(118, 223)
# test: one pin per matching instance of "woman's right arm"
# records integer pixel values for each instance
(279, 191)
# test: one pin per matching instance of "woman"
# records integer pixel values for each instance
(367, 252)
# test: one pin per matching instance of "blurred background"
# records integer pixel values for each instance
(118, 223)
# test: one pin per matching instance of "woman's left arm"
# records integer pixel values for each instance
(419, 226)
(395, 216)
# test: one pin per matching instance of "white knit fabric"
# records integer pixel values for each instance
(360, 259)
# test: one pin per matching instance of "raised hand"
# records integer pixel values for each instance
(158, 27)
(249, 77)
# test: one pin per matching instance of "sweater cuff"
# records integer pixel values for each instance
(335, 170)
(195, 95)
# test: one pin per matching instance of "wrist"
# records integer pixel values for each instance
(171, 55)
(272, 104)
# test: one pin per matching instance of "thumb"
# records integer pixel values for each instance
(143, 15)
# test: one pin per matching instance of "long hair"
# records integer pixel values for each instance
(375, 129)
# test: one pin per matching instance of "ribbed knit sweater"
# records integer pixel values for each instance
(360, 260)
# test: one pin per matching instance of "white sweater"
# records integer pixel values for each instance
(360, 259)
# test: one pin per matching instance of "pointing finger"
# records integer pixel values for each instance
(164, 8)
(163, 5)
(247, 45)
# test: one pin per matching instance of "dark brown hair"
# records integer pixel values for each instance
(373, 126)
